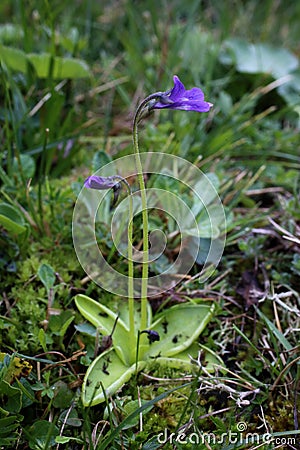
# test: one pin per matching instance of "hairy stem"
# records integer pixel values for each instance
(130, 276)
(144, 288)
(132, 340)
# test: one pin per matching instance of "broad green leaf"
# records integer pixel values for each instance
(182, 360)
(110, 372)
(11, 219)
(14, 58)
(258, 58)
(178, 327)
(47, 276)
(104, 319)
(99, 315)
(61, 67)
(13, 397)
(63, 395)
(44, 64)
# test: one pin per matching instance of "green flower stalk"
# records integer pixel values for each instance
(177, 98)
(114, 182)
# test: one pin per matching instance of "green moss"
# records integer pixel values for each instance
(27, 314)
(280, 415)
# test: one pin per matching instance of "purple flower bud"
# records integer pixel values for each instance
(151, 335)
(181, 98)
(101, 183)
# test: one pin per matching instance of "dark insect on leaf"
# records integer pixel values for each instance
(165, 326)
(104, 369)
(176, 337)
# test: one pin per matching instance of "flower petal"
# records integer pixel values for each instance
(182, 99)
(192, 106)
(178, 89)
(195, 94)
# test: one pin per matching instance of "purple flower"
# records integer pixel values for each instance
(180, 98)
(101, 183)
